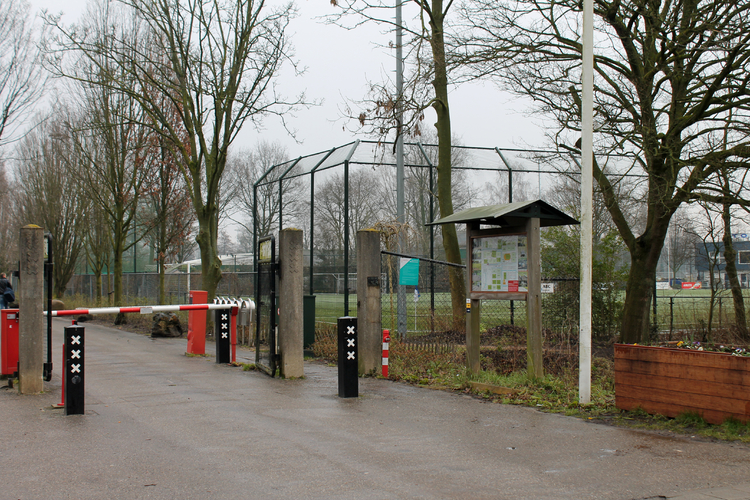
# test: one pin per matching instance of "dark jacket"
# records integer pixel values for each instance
(4, 285)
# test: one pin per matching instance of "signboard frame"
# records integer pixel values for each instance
(476, 237)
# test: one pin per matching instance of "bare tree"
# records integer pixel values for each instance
(427, 85)
(681, 242)
(274, 197)
(364, 209)
(166, 214)
(709, 232)
(666, 75)
(49, 193)
(22, 77)
(8, 220)
(217, 61)
(418, 194)
(111, 135)
(98, 248)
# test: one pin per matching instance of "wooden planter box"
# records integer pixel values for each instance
(673, 381)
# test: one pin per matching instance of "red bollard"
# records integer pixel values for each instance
(196, 337)
(386, 341)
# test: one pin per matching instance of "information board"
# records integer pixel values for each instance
(499, 264)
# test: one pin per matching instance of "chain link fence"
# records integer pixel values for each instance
(429, 313)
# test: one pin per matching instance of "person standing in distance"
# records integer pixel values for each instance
(4, 285)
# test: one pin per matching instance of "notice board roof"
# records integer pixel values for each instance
(510, 214)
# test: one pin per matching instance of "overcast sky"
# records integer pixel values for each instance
(339, 64)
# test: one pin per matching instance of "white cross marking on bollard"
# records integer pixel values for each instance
(349, 354)
(350, 330)
(76, 339)
(76, 354)
(224, 317)
(223, 335)
(350, 342)
(76, 369)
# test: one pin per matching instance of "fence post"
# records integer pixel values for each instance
(291, 304)
(671, 316)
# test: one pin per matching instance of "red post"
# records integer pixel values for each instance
(386, 342)
(9, 342)
(197, 324)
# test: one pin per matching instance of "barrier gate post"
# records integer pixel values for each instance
(74, 362)
(348, 369)
(196, 337)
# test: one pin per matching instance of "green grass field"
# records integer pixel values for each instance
(677, 310)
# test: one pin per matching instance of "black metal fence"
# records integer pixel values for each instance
(679, 314)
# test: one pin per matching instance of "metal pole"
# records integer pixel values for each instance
(400, 167)
(346, 238)
(346, 227)
(510, 200)
(135, 251)
(671, 316)
(255, 235)
(587, 200)
(50, 277)
(312, 228)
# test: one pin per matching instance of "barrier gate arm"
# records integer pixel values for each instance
(146, 309)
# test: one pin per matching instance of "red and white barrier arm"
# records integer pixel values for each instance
(142, 309)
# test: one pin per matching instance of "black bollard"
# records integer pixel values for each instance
(348, 381)
(74, 362)
(223, 342)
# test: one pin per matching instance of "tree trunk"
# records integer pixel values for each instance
(162, 255)
(730, 256)
(639, 290)
(118, 251)
(210, 263)
(444, 195)
(98, 281)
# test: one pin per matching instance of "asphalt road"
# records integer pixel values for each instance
(159, 424)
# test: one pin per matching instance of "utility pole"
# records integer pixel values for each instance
(401, 296)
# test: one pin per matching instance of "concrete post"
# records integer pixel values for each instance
(291, 309)
(368, 302)
(30, 296)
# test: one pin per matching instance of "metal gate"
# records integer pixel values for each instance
(266, 332)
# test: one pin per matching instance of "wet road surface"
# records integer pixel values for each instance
(162, 425)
